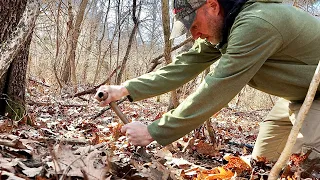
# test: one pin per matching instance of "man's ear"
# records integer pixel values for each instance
(214, 6)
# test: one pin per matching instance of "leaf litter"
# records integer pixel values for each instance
(59, 139)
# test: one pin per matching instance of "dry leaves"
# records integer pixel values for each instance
(63, 142)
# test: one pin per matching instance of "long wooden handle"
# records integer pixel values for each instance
(114, 107)
(118, 111)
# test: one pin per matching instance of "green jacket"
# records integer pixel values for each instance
(272, 47)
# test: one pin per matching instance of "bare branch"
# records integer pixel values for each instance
(286, 153)
(156, 61)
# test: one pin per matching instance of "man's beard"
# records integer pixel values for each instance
(216, 26)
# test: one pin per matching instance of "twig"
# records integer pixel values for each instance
(271, 100)
(211, 132)
(93, 90)
(71, 141)
(107, 108)
(31, 102)
(65, 172)
(156, 62)
(8, 143)
(38, 82)
(53, 155)
(274, 173)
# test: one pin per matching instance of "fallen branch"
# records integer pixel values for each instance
(107, 108)
(93, 90)
(7, 143)
(283, 159)
(38, 82)
(71, 141)
(156, 61)
(31, 102)
(12, 143)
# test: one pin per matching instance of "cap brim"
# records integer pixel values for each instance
(181, 26)
(178, 29)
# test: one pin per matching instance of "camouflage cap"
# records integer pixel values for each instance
(184, 14)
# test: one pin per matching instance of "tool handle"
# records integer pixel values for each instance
(118, 111)
(114, 107)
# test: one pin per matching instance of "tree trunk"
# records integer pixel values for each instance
(88, 50)
(72, 39)
(16, 27)
(174, 102)
(132, 35)
(57, 46)
(67, 68)
(100, 43)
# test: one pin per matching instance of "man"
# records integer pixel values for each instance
(271, 46)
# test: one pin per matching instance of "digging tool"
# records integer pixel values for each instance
(115, 108)
(159, 170)
(142, 151)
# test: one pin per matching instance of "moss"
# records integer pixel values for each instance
(16, 111)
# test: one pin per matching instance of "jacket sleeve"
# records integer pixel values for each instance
(250, 43)
(184, 68)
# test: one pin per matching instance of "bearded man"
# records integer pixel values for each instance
(268, 45)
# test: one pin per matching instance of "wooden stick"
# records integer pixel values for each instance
(93, 90)
(286, 153)
(31, 102)
(38, 82)
(155, 62)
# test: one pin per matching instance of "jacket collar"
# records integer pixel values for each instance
(231, 9)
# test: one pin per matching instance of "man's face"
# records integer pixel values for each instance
(208, 23)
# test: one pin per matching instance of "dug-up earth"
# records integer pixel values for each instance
(73, 138)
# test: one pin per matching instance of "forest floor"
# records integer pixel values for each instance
(69, 138)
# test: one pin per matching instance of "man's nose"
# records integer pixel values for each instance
(196, 35)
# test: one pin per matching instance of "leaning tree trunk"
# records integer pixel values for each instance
(73, 33)
(174, 101)
(135, 19)
(17, 20)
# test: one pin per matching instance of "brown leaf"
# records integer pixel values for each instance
(17, 144)
(41, 178)
(95, 139)
(115, 129)
(236, 163)
(30, 172)
(9, 175)
(261, 159)
(164, 153)
(91, 164)
(297, 159)
(206, 149)
(215, 174)
(93, 167)
(8, 164)
(5, 126)
(190, 174)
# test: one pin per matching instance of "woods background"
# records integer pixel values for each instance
(77, 44)
(52, 50)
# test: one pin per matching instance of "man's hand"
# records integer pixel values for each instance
(115, 92)
(137, 133)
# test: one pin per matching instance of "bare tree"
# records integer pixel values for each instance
(174, 102)
(57, 45)
(135, 18)
(72, 40)
(99, 44)
(16, 27)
